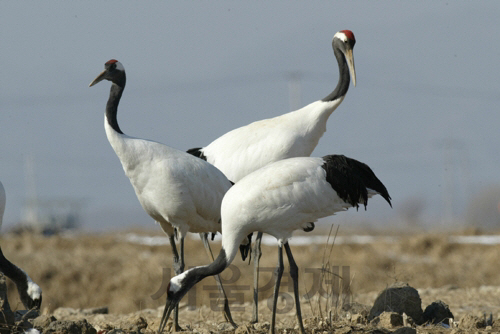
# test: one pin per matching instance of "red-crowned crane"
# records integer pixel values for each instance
(278, 199)
(179, 191)
(295, 134)
(29, 292)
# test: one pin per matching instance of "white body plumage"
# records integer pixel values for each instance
(278, 199)
(172, 186)
(295, 134)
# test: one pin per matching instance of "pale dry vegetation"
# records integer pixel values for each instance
(95, 270)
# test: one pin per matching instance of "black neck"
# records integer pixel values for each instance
(344, 78)
(212, 269)
(197, 274)
(13, 272)
(115, 95)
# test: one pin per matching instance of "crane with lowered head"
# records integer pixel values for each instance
(278, 199)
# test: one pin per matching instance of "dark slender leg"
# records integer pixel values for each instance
(175, 255)
(227, 311)
(257, 253)
(279, 273)
(181, 267)
(294, 273)
(178, 269)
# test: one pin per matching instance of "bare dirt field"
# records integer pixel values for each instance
(79, 272)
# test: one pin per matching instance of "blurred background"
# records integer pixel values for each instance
(424, 114)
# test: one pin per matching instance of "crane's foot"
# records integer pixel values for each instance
(227, 315)
(178, 328)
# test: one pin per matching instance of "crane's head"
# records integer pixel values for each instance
(176, 289)
(182, 283)
(344, 41)
(113, 71)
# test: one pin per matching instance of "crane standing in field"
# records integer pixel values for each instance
(278, 199)
(179, 191)
(29, 292)
(295, 134)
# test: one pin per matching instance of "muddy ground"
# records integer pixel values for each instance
(85, 271)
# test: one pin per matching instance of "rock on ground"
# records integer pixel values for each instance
(438, 312)
(400, 298)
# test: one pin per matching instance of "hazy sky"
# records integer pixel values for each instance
(424, 116)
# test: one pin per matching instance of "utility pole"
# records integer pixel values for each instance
(30, 212)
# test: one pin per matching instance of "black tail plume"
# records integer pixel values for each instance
(351, 179)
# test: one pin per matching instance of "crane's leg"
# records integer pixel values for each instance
(279, 273)
(182, 263)
(257, 253)
(178, 263)
(227, 311)
(294, 273)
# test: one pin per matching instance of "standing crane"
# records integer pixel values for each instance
(29, 292)
(278, 199)
(179, 191)
(295, 134)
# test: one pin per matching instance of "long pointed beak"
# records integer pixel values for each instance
(169, 306)
(350, 63)
(99, 78)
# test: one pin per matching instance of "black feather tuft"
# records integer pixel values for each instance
(245, 250)
(309, 228)
(351, 180)
(197, 153)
